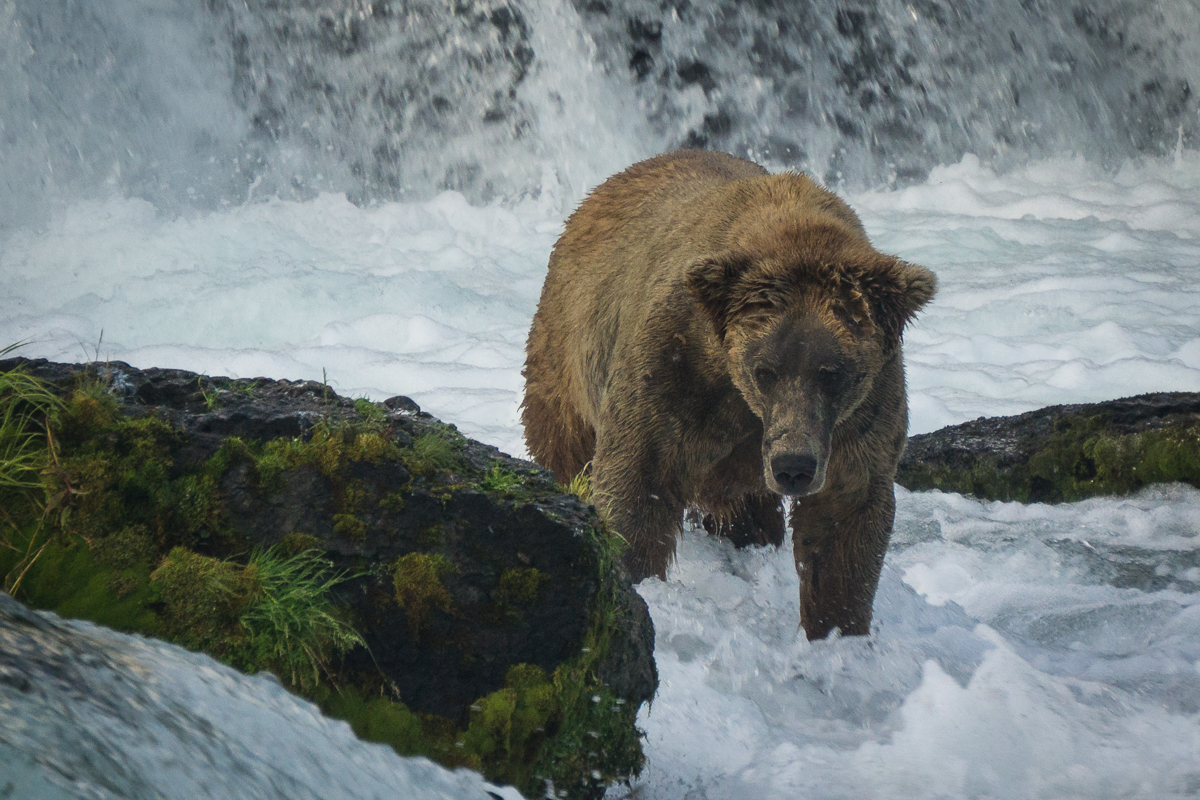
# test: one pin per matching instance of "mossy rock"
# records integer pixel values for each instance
(1062, 453)
(498, 629)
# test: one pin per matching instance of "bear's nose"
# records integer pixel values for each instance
(793, 472)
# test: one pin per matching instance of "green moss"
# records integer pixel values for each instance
(296, 543)
(354, 497)
(139, 542)
(417, 578)
(393, 501)
(88, 410)
(373, 448)
(204, 598)
(597, 733)
(272, 613)
(382, 719)
(126, 548)
(128, 552)
(379, 720)
(324, 450)
(509, 727)
(350, 527)
(108, 472)
(518, 588)
(198, 501)
(329, 449)
(567, 728)
(63, 576)
(431, 536)
(513, 735)
(1080, 459)
(233, 451)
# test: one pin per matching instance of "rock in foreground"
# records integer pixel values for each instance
(1062, 453)
(498, 629)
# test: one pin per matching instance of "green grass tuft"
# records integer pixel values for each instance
(433, 452)
(26, 404)
(292, 625)
(273, 613)
(581, 485)
(501, 481)
(212, 401)
(374, 415)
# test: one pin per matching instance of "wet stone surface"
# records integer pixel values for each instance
(461, 567)
(1062, 453)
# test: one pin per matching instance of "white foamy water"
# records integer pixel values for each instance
(1058, 284)
(137, 719)
(1023, 652)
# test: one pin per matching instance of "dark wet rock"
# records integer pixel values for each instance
(402, 403)
(1062, 453)
(520, 570)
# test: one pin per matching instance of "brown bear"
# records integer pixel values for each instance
(713, 336)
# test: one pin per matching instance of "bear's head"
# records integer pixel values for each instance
(807, 317)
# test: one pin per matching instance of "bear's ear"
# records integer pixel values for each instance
(896, 291)
(711, 281)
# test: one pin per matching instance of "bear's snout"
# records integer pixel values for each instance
(794, 472)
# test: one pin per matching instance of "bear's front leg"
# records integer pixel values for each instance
(840, 536)
(754, 520)
(640, 497)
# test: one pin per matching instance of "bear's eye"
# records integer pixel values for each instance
(764, 377)
(847, 319)
(830, 373)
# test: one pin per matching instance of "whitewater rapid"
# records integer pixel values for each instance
(1018, 651)
(366, 192)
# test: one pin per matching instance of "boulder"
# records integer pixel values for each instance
(1062, 453)
(491, 606)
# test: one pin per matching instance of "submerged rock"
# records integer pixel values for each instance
(490, 604)
(1062, 453)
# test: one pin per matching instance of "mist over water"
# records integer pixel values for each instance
(208, 104)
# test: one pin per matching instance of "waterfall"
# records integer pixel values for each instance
(206, 104)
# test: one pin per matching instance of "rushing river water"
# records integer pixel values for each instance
(371, 189)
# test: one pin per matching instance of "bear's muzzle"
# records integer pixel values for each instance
(794, 472)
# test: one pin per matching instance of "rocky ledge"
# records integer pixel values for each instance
(1062, 453)
(478, 613)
